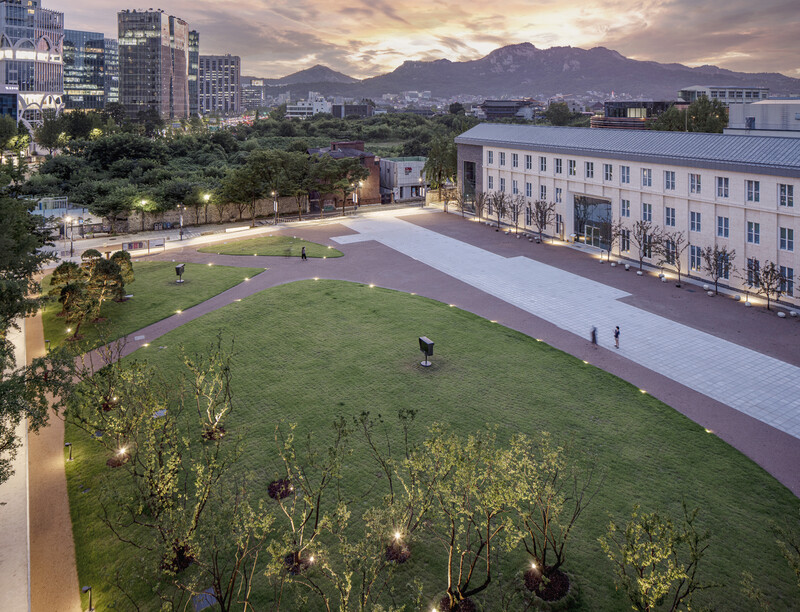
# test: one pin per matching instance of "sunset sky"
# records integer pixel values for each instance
(368, 37)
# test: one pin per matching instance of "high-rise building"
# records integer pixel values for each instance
(111, 84)
(153, 63)
(194, 64)
(252, 93)
(220, 88)
(31, 64)
(84, 70)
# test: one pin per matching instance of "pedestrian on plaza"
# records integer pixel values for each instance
(594, 335)
(616, 336)
(303, 254)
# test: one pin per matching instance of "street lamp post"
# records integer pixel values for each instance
(422, 191)
(71, 236)
(358, 193)
(206, 198)
(88, 589)
(67, 219)
(181, 207)
(275, 207)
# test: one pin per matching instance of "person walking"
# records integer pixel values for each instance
(593, 335)
(616, 336)
(303, 254)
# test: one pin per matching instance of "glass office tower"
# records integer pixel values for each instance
(31, 63)
(194, 61)
(111, 84)
(84, 70)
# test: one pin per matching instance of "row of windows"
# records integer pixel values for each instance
(752, 187)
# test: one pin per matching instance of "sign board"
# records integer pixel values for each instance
(408, 170)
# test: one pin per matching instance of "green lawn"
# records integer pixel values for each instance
(310, 351)
(279, 246)
(156, 296)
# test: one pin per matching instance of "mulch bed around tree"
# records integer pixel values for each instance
(179, 560)
(398, 552)
(213, 433)
(465, 605)
(556, 587)
(117, 460)
(278, 489)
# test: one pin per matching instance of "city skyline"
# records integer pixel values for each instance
(278, 38)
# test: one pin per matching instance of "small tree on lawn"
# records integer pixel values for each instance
(717, 263)
(310, 470)
(769, 281)
(462, 202)
(77, 305)
(516, 205)
(65, 273)
(671, 250)
(481, 198)
(89, 258)
(499, 202)
(553, 494)
(656, 561)
(123, 260)
(105, 282)
(543, 215)
(209, 382)
(646, 237)
(473, 496)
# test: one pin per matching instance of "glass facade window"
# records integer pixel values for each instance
(84, 70)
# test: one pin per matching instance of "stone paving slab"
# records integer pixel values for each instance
(753, 383)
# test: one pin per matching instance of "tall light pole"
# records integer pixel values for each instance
(275, 207)
(206, 198)
(181, 207)
(422, 191)
(358, 195)
(67, 219)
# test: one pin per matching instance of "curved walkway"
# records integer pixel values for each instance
(445, 273)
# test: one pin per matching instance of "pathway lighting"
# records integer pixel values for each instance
(69, 444)
(88, 589)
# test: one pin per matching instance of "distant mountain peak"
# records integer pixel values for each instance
(316, 74)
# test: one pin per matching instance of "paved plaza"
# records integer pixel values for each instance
(753, 383)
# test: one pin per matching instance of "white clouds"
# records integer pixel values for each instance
(366, 37)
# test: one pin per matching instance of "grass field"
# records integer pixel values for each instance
(277, 246)
(310, 351)
(156, 296)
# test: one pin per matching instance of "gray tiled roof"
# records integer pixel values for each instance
(762, 154)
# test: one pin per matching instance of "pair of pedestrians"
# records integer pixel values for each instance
(593, 336)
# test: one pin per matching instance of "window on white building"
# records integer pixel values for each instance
(608, 173)
(502, 158)
(514, 160)
(571, 167)
(722, 186)
(694, 183)
(694, 221)
(625, 241)
(490, 184)
(624, 174)
(558, 195)
(669, 251)
(589, 166)
(786, 239)
(542, 192)
(669, 216)
(752, 188)
(514, 187)
(753, 271)
(753, 232)
(787, 280)
(502, 184)
(695, 258)
(489, 157)
(624, 208)
(558, 165)
(647, 177)
(647, 212)
(723, 227)
(528, 190)
(785, 195)
(528, 162)
(669, 180)
(542, 164)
